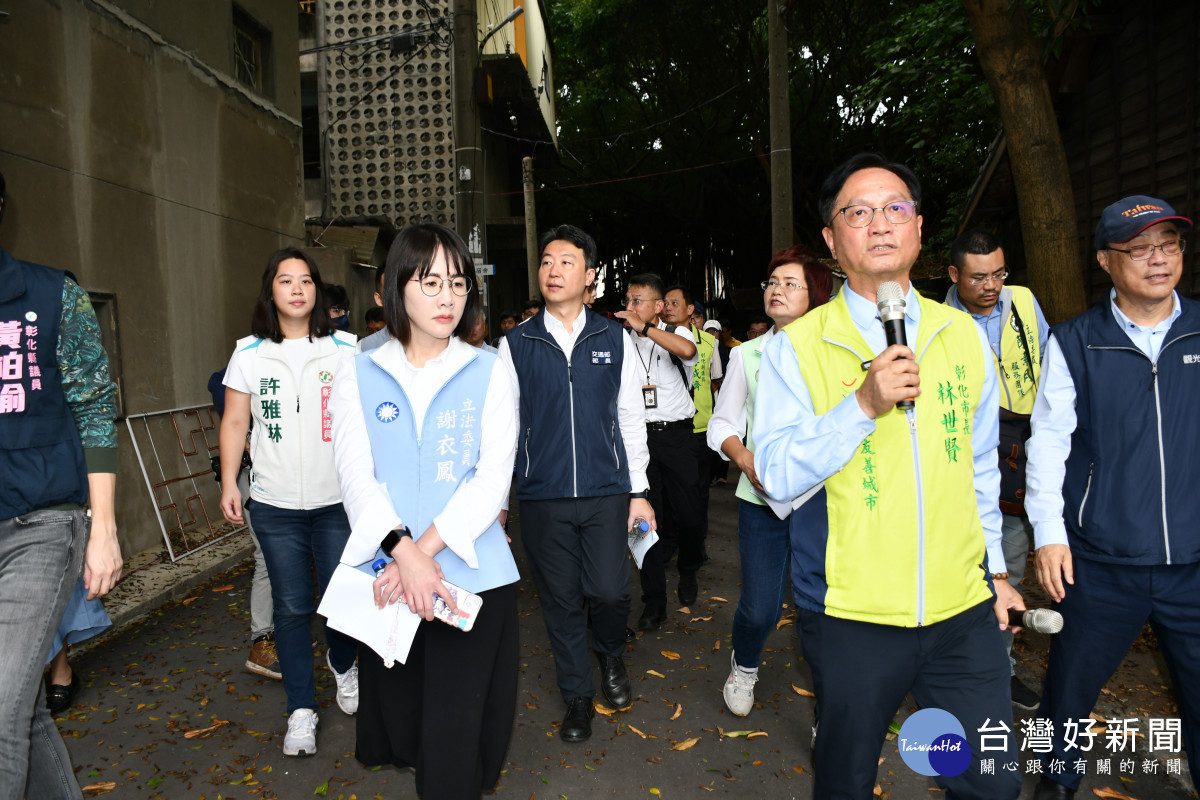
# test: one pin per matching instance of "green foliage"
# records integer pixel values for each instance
(678, 90)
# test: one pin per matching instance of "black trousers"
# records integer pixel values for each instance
(448, 710)
(578, 550)
(674, 475)
(861, 673)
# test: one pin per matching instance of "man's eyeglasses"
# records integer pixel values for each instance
(337, 311)
(896, 213)
(980, 280)
(1141, 252)
(431, 285)
(790, 286)
(637, 301)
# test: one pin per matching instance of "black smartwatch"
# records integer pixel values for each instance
(393, 538)
(642, 495)
(646, 329)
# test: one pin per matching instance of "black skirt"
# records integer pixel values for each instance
(448, 712)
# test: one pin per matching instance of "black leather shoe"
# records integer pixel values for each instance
(614, 682)
(688, 588)
(59, 698)
(1050, 790)
(652, 618)
(630, 635)
(577, 724)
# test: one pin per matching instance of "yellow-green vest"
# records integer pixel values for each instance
(906, 545)
(1019, 375)
(702, 379)
(751, 359)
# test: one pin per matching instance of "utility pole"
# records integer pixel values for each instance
(468, 155)
(531, 253)
(782, 232)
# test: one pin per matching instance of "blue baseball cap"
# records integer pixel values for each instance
(699, 308)
(1128, 217)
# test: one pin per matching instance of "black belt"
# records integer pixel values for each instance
(666, 426)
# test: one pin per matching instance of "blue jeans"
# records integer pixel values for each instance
(41, 558)
(292, 541)
(764, 545)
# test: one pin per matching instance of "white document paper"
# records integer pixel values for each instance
(640, 545)
(783, 509)
(349, 605)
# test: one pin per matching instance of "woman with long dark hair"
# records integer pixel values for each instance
(281, 376)
(425, 431)
(796, 283)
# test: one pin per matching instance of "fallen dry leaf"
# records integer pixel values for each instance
(99, 788)
(224, 588)
(802, 692)
(683, 610)
(678, 711)
(732, 734)
(798, 770)
(686, 744)
(756, 734)
(670, 654)
(201, 731)
(635, 730)
(655, 673)
(1112, 794)
(701, 619)
(716, 599)
(603, 709)
(782, 622)
(878, 790)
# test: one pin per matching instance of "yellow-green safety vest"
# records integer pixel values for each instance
(906, 544)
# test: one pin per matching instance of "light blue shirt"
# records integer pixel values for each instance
(796, 449)
(1054, 421)
(993, 322)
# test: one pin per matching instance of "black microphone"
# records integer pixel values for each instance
(1038, 620)
(890, 300)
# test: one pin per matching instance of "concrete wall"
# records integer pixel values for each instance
(134, 160)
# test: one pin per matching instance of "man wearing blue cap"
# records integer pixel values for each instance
(1110, 492)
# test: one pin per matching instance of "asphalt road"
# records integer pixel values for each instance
(168, 712)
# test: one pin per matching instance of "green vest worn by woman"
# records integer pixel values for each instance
(1019, 375)
(751, 357)
(702, 379)
(906, 545)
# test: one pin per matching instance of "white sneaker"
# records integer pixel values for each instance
(301, 737)
(739, 688)
(347, 687)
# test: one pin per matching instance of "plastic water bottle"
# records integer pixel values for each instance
(640, 527)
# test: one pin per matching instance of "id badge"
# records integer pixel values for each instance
(650, 396)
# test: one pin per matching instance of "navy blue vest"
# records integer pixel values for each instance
(41, 455)
(1130, 496)
(569, 443)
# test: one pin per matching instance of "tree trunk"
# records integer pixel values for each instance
(1012, 62)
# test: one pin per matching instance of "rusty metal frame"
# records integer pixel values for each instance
(199, 529)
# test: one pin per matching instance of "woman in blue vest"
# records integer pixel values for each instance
(425, 431)
(797, 283)
(282, 376)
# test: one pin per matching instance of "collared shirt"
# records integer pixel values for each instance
(477, 501)
(729, 412)
(658, 370)
(797, 449)
(1054, 419)
(992, 322)
(630, 410)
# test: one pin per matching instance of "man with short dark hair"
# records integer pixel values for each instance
(1016, 331)
(898, 596)
(581, 473)
(1112, 499)
(759, 325)
(58, 464)
(381, 336)
(665, 356)
(532, 306)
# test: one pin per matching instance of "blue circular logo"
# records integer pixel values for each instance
(387, 412)
(933, 742)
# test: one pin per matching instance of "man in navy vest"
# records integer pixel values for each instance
(1111, 494)
(57, 453)
(581, 472)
